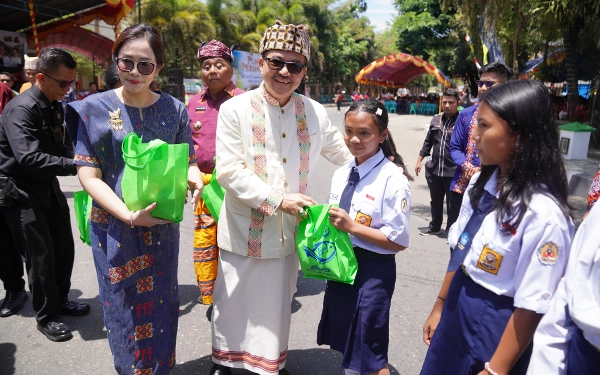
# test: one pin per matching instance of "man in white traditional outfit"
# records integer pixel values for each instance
(268, 144)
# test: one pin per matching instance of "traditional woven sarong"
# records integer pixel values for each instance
(247, 334)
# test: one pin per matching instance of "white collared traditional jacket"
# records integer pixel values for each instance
(263, 152)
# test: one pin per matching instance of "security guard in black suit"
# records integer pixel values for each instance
(34, 149)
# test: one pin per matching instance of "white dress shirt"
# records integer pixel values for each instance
(579, 291)
(381, 200)
(526, 264)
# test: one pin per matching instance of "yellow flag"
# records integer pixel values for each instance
(485, 54)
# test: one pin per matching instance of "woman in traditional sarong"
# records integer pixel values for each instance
(135, 253)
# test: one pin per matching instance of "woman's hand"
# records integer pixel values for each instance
(432, 321)
(142, 218)
(340, 219)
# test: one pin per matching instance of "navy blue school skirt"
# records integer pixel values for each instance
(583, 358)
(355, 319)
(472, 323)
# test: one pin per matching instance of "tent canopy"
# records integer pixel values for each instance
(399, 70)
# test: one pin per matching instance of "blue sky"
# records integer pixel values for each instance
(380, 12)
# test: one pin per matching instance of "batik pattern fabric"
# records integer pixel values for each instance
(471, 152)
(594, 192)
(136, 267)
(257, 215)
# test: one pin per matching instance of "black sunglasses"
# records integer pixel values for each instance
(144, 67)
(487, 84)
(277, 64)
(62, 84)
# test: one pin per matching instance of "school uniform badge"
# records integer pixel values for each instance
(489, 260)
(363, 219)
(548, 253)
(463, 240)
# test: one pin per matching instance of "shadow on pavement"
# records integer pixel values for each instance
(7, 353)
(306, 287)
(299, 362)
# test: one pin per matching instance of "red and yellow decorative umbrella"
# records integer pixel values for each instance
(398, 70)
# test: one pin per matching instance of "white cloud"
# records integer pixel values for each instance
(380, 12)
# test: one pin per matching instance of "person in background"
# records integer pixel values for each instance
(111, 77)
(69, 97)
(30, 73)
(8, 80)
(154, 86)
(440, 169)
(34, 149)
(593, 193)
(268, 145)
(339, 99)
(93, 89)
(135, 254)
(462, 146)
(216, 64)
(11, 265)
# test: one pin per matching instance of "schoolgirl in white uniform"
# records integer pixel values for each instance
(510, 242)
(374, 208)
(567, 340)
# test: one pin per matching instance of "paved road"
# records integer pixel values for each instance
(420, 269)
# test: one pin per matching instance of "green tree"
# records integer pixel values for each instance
(184, 24)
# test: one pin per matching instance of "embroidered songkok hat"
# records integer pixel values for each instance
(290, 37)
(30, 62)
(214, 49)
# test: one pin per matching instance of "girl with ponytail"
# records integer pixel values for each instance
(373, 193)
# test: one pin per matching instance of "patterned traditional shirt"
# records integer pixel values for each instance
(203, 111)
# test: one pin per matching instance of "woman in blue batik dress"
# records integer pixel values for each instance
(135, 253)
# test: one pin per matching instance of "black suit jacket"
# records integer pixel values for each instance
(35, 148)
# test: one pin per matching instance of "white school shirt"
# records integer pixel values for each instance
(381, 200)
(579, 290)
(526, 264)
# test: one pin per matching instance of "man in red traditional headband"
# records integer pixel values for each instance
(216, 64)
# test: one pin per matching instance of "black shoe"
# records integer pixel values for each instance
(284, 371)
(55, 331)
(219, 370)
(74, 308)
(13, 303)
(429, 231)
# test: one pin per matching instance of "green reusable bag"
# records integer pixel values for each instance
(324, 251)
(83, 206)
(155, 172)
(213, 195)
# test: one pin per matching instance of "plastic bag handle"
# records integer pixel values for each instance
(320, 223)
(152, 147)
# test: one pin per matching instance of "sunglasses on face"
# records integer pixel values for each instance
(144, 67)
(487, 84)
(62, 84)
(277, 64)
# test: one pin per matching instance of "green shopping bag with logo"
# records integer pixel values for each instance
(155, 172)
(82, 203)
(324, 251)
(213, 195)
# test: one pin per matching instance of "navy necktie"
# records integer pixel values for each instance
(466, 238)
(348, 192)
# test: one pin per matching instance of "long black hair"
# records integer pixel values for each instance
(537, 166)
(372, 106)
